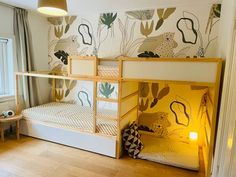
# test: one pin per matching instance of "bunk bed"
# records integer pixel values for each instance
(96, 131)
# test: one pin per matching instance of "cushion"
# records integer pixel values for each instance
(132, 142)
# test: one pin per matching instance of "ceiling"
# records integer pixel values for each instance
(76, 7)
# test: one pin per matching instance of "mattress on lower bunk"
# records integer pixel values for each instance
(108, 71)
(170, 152)
(69, 116)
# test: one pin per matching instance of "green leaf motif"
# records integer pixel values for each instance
(108, 19)
(165, 91)
(163, 15)
(143, 89)
(58, 31)
(160, 12)
(55, 20)
(70, 85)
(147, 30)
(67, 92)
(159, 23)
(143, 107)
(168, 12)
(106, 89)
(154, 102)
(59, 94)
(155, 88)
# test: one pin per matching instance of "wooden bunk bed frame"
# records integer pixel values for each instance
(191, 71)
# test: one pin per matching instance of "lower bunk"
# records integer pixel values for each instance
(70, 125)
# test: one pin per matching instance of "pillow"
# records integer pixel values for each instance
(132, 142)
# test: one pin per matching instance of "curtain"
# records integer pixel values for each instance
(24, 54)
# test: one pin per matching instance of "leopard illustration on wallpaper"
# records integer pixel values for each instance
(180, 32)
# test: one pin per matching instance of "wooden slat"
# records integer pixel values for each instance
(169, 82)
(126, 114)
(172, 59)
(129, 96)
(106, 117)
(107, 99)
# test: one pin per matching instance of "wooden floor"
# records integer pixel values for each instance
(30, 157)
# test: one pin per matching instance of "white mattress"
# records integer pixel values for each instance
(70, 116)
(170, 152)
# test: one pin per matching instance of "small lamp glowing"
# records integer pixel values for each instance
(193, 136)
(53, 7)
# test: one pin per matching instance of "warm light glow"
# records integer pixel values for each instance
(193, 136)
(230, 143)
(52, 11)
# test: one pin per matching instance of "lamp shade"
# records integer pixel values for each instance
(53, 7)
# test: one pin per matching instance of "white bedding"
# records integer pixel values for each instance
(170, 152)
(69, 115)
(108, 71)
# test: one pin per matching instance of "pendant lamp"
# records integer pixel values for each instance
(53, 7)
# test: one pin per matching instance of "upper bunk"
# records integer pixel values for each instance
(198, 71)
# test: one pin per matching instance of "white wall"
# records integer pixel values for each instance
(226, 27)
(39, 33)
(39, 30)
(6, 16)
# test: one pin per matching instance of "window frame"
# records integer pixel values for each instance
(11, 87)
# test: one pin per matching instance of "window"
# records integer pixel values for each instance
(6, 68)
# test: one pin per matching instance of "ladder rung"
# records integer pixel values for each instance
(107, 99)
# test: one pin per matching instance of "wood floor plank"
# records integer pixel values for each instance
(36, 158)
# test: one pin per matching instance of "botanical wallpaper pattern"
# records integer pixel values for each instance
(183, 31)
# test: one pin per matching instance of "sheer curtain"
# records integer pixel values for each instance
(24, 53)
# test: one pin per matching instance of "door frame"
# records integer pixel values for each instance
(226, 139)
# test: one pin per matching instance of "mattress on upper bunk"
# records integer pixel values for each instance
(170, 152)
(70, 116)
(108, 71)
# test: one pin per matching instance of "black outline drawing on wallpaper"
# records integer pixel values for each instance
(215, 12)
(201, 50)
(185, 112)
(193, 30)
(203, 106)
(95, 49)
(128, 45)
(87, 97)
(87, 32)
(182, 52)
(187, 104)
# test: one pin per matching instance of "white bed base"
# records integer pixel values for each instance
(82, 140)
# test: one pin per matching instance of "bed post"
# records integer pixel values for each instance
(95, 95)
(214, 119)
(119, 138)
(53, 89)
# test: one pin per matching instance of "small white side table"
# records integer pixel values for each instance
(16, 119)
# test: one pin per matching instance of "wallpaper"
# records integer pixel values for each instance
(183, 31)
